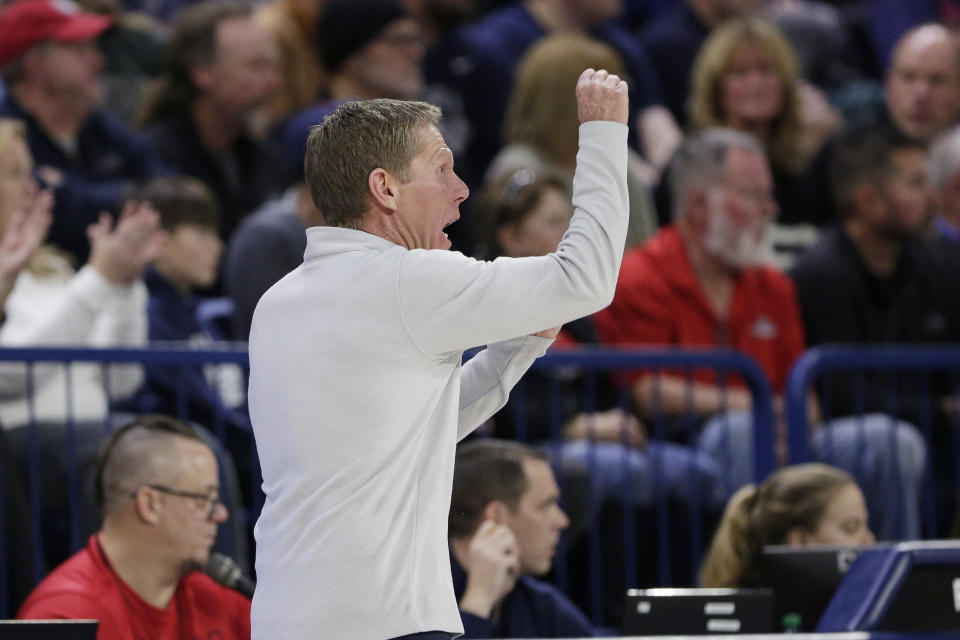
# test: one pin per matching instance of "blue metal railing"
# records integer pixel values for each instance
(597, 361)
(817, 371)
(688, 360)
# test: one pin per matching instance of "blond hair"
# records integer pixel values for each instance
(542, 111)
(793, 497)
(712, 65)
(47, 260)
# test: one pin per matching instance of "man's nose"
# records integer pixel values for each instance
(922, 89)
(463, 191)
(220, 513)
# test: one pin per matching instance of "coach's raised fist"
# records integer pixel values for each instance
(602, 96)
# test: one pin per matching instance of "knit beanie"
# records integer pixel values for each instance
(346, 26)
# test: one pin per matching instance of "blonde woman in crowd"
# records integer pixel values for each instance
(799, 505)
(746, 77)
(541, 125)
(49, 303)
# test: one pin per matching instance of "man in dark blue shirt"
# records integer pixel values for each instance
(51, 68)
(505, 522)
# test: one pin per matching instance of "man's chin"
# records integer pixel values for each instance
(197, 563)
(442, 243)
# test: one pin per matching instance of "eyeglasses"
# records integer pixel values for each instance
(207, 501)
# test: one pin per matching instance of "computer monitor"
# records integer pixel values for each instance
(803, 580)
(48, 629)
(654, 612)
(903, 588)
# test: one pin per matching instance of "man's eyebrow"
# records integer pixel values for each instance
(550, 500)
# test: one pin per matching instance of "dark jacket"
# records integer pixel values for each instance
(843, 302)
(251, 173)
(534, 609)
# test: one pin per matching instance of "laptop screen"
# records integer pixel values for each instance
(803, 580)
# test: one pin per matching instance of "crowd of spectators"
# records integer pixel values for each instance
(794, 180)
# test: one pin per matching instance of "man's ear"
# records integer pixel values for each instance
(383, 189)
(146, 502)
(30, 60)
(496, 511)
(202, 76)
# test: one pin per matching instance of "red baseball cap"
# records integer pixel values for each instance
(25, 23)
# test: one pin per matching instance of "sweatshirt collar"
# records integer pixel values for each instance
(323, 241)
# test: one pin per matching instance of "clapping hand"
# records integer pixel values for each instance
(121, 252)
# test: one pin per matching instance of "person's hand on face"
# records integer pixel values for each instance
(121, 252)
(602, 96)
(492, 567)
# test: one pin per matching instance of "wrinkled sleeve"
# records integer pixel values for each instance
(450, 303)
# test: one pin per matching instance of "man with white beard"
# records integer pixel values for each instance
(705, 281)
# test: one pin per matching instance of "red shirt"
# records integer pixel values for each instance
(659, 301)
(86, 586)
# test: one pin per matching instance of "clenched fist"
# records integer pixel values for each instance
(602, 96)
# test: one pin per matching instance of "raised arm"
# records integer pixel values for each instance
(478, 303)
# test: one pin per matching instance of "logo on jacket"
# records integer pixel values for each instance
(763, 328)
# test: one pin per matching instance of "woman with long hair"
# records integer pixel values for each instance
(746, 77)
(798, 505)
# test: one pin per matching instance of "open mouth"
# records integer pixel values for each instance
(443, 229)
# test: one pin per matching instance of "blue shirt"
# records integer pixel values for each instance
(108, 160)
(672, 41)
(534, 609)
(177, 391)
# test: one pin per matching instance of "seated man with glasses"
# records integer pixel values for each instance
(157, 486)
